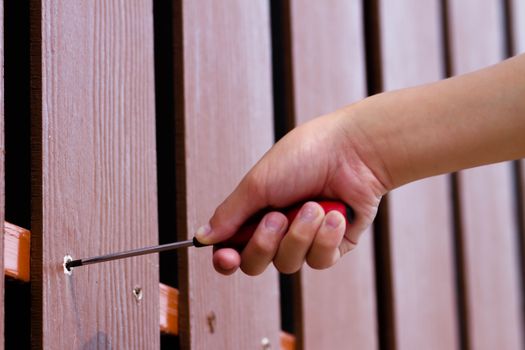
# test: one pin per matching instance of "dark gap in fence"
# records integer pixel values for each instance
(181, 226)
(517, 166)
(382, 244)
(372, 42)
(17, 117)
(17, 160)
(519, 182)
(457, 229)
(283, 96)
(459, 263)
(165, 137)
(284, 122)
(164, 109)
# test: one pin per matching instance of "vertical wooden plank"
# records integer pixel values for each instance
(517, 13)
(228, 125)
(327, 50)
(94, 188)
(517, 20)
(419, 214)
(2, 173)
(517, 35)
(489, 226)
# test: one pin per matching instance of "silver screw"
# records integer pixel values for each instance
(137, 293)
(265, 342)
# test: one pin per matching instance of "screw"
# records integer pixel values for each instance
(67, 270)
(137, 293)
(265, 342)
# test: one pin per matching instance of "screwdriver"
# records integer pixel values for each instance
(237, 241)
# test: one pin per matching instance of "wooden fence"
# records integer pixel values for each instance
(125, 123)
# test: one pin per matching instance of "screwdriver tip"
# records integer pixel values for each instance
(73, 263)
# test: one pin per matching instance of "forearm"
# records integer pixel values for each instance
(458, 123)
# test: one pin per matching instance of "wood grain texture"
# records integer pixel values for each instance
(518, 24)
(338, 305)
(517, 18)
(489, 228)
(228, 126)
(94, 181)
(2, 172)
(420, 223)
(17, 242)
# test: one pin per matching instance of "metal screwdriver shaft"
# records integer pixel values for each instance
(237, 241)
(132, 252)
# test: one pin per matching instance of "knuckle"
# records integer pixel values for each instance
(255, 184)
(286, 269)
(262, 247)
(319, 264)
(326, 243)
(300, 237)
(251, 270)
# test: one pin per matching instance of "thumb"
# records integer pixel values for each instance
(241, 204)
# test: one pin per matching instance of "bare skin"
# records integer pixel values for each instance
(358, 154)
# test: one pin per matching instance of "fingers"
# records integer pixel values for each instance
(226, 261)
(295, 245)
(313, 237)
(325, 249)
(263, 245)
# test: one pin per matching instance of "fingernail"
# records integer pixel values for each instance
(332, 220)
(308, 212)
(273, 222)
(203, 232)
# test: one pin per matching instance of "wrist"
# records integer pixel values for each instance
(369, 137)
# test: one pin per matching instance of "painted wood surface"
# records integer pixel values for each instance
(489, 227)
(94, 180)
(226, 106)
(419, 214)
(517, 13)
(2, 172)
(338, 305)
(517, 33)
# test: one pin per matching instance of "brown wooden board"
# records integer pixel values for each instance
(486, 198)
(338, 305)
(17, 242)
(226, 109)
(419, 214)
(94, 181)
(168, 309)
(2, 172)
(517, 34)
(517, 18)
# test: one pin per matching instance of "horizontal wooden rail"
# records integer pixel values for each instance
(169, 309)
(17, 243)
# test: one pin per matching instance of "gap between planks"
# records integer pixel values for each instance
(17, 242)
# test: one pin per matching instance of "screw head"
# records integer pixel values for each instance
(137, 293)
(265, 343)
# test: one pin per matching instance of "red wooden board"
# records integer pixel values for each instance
(94, 180)
(338, 305)
(227, 117)
(489, 226)
(419, 214)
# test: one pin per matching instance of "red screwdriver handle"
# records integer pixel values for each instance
(243, 235)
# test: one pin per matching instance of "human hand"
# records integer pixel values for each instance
(319, 159)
